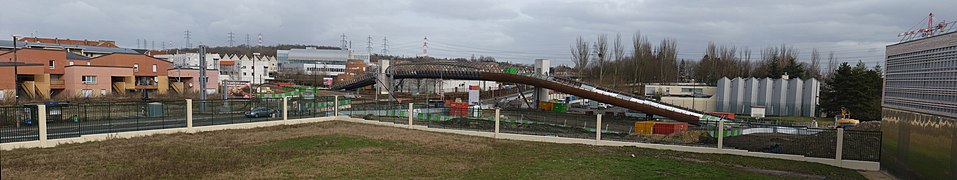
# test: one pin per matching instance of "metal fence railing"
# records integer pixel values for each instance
(15, 124)
(19, 123)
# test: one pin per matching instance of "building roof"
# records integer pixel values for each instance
(19, 64)
(8, 43)
(74, 56)
(99, 43)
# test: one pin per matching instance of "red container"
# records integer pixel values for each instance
(723, 114)
(670, 127)
(459, 105)
(458, 112)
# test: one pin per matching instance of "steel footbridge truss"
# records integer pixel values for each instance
(488, 71)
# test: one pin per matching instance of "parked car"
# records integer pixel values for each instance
(260, 112)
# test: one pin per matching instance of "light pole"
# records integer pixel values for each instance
(16, 88)
(254, 71)
(694, 92)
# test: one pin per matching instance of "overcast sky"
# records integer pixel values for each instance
(509, 30)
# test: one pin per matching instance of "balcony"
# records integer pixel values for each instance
(57, 84)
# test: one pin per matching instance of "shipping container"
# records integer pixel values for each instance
(510, 70)
(670, 127)
(723, 115)
(560, 107)
(545, 105)
(644, 127)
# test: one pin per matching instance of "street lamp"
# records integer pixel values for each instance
(16, 88)
(693, 93)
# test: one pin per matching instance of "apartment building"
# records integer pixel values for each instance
(45, 73)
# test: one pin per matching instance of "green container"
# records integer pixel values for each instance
(560, 107)
(511, 70)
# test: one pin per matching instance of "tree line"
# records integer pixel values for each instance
(857, 89)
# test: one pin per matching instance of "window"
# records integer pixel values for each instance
(89, 79)
(136, 67)
(86, 93)
(154, 67)
(52, 63)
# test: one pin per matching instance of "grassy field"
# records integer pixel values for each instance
(349, 150)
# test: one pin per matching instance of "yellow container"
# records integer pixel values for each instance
(644, 127)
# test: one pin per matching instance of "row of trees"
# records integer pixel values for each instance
(856, 88)
(648, 63)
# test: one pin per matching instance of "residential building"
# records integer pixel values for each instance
(44, 73)
(98, 43)
(191, 60)
(919, 124)
(255, 69)
(88, 51)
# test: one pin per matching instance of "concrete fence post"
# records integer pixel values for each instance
(336, 106)
(840, 144)
(189, 114)
(42, 124)
(497, 122)
(720, 134)
(598, 129)
(410, 115)
(285, 108)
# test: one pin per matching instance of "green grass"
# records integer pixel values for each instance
(337, 150)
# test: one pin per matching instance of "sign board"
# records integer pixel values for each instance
(327, 81)
(757, 111)
(473, 95)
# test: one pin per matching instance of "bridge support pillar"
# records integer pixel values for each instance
(382, 81)
(541, 68)
(42, 124)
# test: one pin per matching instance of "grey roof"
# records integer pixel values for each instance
(74, 56)
(8, 43)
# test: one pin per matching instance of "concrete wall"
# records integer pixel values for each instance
(737, 96)
(795, 96)
(780, 97)
(723, 94)
(812, 89)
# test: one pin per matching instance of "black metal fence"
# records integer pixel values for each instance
(15, 124)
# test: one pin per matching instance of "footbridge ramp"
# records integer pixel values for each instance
(488, 71)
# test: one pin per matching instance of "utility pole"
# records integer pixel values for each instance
(188, 44)
(16, 84)
(202, 77)
(231, 39)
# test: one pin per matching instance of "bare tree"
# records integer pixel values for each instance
(815, 70)
(619, 51)
(580, 54)
(601, 50)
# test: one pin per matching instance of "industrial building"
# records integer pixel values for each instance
(693, 96)
(780, 97)
(919, 122)
(330, 62)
